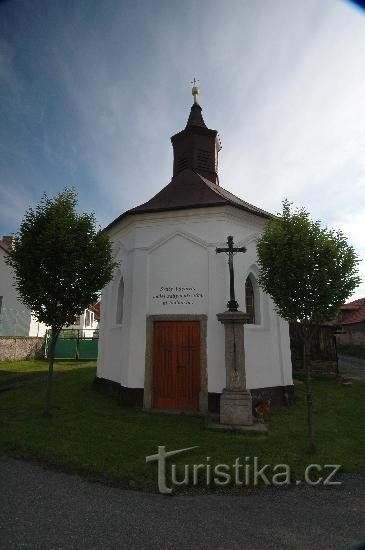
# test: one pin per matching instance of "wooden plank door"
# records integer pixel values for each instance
(176, 366)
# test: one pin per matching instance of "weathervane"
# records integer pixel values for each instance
(195, 89)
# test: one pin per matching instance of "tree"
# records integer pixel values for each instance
(61, 259)
(308, 271)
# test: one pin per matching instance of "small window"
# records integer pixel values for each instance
(250, 301)
(120, 299)
(1, 303)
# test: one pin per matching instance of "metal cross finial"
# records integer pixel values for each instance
(195, 89)
(231, 251)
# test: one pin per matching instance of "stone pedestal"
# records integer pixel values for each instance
(236, 401)
(236, 408)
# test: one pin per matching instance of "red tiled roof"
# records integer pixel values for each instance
(351, 306)
(355, 312)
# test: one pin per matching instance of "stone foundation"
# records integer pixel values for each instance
(17, 348)
(280, 396)
(129, 397)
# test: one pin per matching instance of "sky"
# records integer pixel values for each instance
(91, 92)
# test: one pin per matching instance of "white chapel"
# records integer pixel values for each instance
(161, 345)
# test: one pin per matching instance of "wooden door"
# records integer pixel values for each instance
(176, 365)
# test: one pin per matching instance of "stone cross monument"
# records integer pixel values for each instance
(236, 400)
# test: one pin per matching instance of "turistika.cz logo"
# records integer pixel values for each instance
(243, 472)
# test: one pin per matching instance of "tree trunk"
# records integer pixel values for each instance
(54, 336)
(307, 338)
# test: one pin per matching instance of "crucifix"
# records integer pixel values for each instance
(231, 251)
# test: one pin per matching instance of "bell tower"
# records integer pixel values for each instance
(197, 147)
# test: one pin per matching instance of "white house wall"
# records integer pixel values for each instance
(7, 289)
(15, 317)
(36, 328)
(174, 253)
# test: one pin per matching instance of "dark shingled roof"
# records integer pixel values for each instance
(190, 190)
(196, 117)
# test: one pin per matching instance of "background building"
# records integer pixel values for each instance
(15, 318)
(351, 323)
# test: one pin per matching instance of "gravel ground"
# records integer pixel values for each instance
(42, 509)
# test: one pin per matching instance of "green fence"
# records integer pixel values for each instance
(75, 344)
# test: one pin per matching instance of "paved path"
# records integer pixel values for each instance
(354, 366)
(43, 509)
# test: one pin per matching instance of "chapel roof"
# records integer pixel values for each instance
(195, 182)
(196, 117)
(186, 190)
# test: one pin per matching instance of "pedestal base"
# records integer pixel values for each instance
(236, 408)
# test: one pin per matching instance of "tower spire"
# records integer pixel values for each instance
(196, 147)
(195, 117)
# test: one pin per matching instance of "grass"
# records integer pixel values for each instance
(91, 434)
(20, 371)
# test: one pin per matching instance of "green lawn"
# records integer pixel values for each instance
(19, 371)
(92, 434)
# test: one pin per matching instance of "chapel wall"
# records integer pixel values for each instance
(171, 267)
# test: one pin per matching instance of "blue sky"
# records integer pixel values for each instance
(90, 93)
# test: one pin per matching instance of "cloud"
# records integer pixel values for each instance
(8, 75)
(307, 124)
(102, 87)
(13, 203)
(352, 225)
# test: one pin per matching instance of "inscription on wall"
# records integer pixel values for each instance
(178, 296)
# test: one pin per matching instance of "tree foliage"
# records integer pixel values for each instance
(308, 270)
(61, 260)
